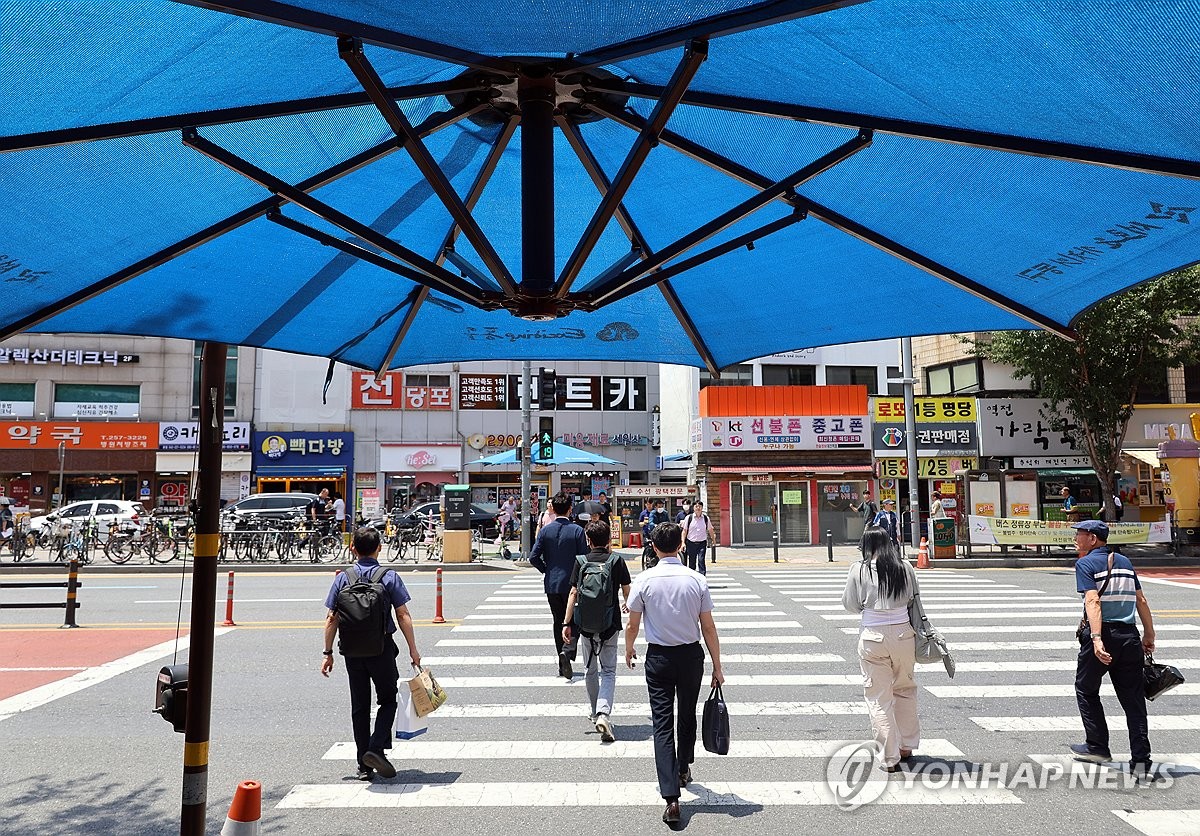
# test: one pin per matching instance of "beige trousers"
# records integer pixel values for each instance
(886, 655)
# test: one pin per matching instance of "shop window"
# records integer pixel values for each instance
(16, 400)
(95, 400)
(853, 376)
(1191, 384)
(789, 375)
(231, 364)
(427, 380)
(1152, 389)
(894, 390)
(741, 375)
(954, 378)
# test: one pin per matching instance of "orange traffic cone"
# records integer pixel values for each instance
(245, 812)
(923, 555)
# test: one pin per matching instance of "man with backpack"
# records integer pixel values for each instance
(553, 554)
(360, 604)
(697, 531)
(593, 613)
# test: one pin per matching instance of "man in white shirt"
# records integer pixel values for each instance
(675, 603)
(697, 531)
(339, 512)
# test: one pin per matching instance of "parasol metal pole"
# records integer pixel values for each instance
(204, 591)
(910, 442)
(524, 450)
(536, 99)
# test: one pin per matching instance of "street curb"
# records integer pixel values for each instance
(265, 568)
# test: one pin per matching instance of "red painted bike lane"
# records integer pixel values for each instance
(38, 656)
(1191, 577)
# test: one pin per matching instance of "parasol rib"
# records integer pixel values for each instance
(686, 70)
(235, 221)
(351, 52)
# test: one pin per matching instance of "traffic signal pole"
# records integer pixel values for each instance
(525, 449)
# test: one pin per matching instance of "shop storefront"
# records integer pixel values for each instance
(1017, 434)
(1141, 485)
(303, 461)
(947, 444)
(801, 471)
(91, 460)
(416, 472)
(628, 501)
(176, 463)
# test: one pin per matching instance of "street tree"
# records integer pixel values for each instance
(1124, 340)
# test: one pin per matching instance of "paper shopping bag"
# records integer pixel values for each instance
(427, 694)
(408, 723)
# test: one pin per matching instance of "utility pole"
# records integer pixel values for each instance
(525, 451)
(910, 440)
(62, 457)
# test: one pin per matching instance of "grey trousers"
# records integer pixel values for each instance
(601, 664)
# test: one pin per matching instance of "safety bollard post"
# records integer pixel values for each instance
(829, 543)
(228, 622)
(72, 586)
(437, 612)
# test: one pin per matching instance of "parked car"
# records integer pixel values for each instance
(481, 518)
(273, 506)
(104, 511)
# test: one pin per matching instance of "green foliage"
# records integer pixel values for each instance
(1123, 340)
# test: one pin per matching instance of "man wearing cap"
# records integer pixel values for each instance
(1111, 594)
(887, 520)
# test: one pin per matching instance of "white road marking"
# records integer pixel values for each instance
(433, 750)
(637, 680)
(1161, 822)
(937, 617)
(1054, 645)
(726, 658)
(1158, 722)
(933, 609)
(529, 628)
(1006, 690)
(621, 709)
(521, 641)
(1010, 628)
(37, 697)
(614, 794)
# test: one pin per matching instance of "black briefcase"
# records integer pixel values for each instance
(1159, 678)
(716, 723)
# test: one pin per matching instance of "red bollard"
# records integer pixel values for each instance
(229, 605)
(437, 612)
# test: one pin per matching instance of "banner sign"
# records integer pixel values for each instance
(933, 439)
(990, 531)
(928, 468)
(64, 357)
(392, 392)
(1051, 462)
(1017, 427)
(185, 435)
(303, 448)
(786, 432)
(46, 435)
(935, 410)
(653, 491)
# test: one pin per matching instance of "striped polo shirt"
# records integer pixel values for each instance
(1119, 601)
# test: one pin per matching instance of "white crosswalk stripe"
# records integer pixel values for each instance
(726, 658)
(1009, 690)
(626, 709)
(1161, 822)
(1160, 722)
(549, 642)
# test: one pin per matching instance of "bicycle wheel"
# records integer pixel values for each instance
(167, 550)
(327, 548)
(118, 549)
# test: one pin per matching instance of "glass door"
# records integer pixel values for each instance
(758, 512)
(794, 527)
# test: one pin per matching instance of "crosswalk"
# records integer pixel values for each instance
(781, 632)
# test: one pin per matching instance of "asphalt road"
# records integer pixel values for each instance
(513, 750)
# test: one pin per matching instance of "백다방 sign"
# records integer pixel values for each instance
(991, 531)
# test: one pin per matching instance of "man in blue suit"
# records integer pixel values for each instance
(553, 555)
(887, 520)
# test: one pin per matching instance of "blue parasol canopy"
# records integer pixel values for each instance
(393, 182)
(563, 454)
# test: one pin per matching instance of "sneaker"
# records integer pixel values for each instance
(380, 764)
(564, 667)
(605, 728)
(1144, 773)
(1081, 752)
(364, 774)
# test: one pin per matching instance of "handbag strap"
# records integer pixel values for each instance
(1107, 577)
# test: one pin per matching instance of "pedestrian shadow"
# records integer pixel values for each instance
(730, 805)
(624, 732)
(415, 776)
(94, 804)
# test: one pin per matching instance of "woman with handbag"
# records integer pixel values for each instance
(880, 587)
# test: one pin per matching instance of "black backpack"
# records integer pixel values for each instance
(594, 608)
(362, 606)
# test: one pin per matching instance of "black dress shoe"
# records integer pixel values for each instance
(685, 776)
(671, 814)
(564, 667)
(379, 762)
